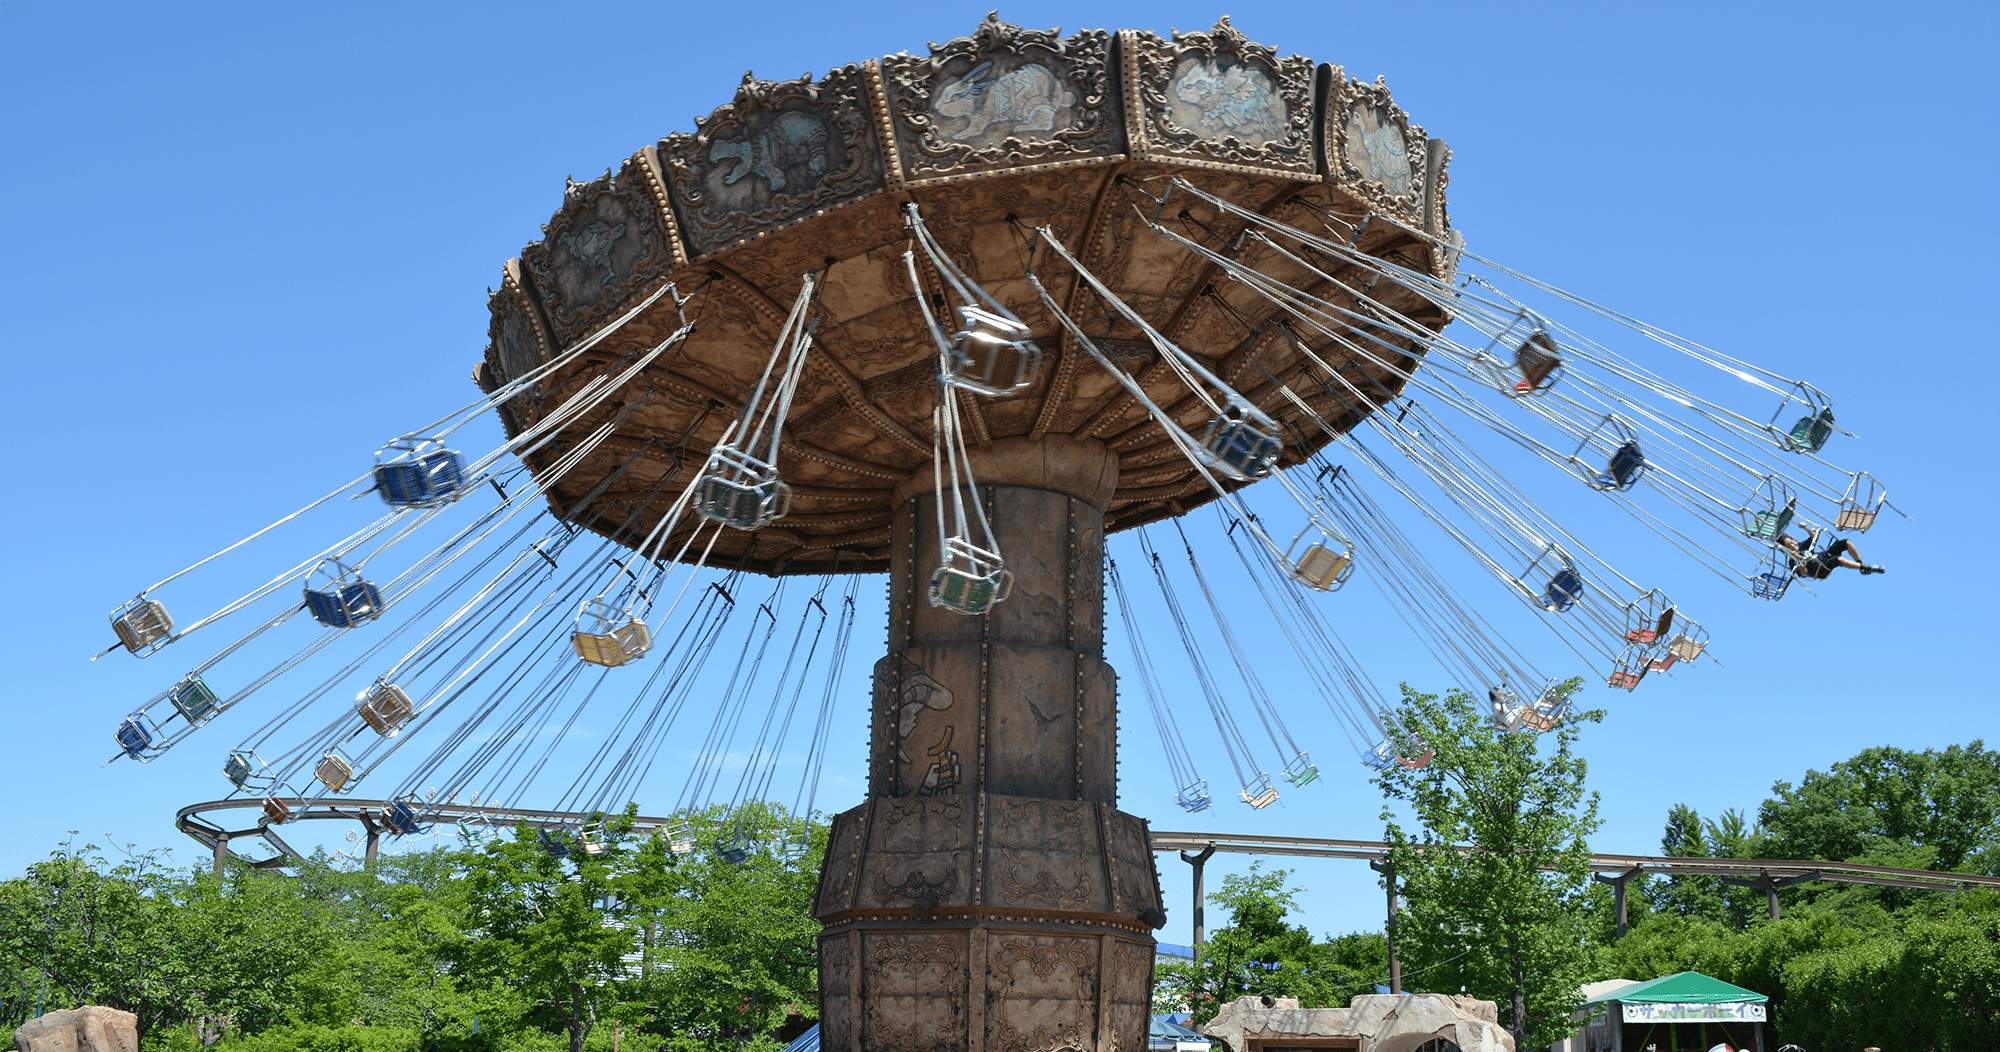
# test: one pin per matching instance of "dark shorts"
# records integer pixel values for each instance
(1821, 565)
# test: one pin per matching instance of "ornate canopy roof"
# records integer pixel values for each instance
(992, 135)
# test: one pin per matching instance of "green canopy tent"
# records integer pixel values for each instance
(1671, 1013)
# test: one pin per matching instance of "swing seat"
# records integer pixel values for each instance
(348, 603)
(1809, 435)
(1194, 798)
(1301, 771)
(966, 592)
(1662, 664)
(135, 738)
(551, 845)
(620, 645)
(1854, 520)
(1539, 362)
(334, 770)
(196, 703)
(1627, 464)
(680, 838)
(1770, 585)
(1564, 589)
(385, 707)
(1624, 680)
(474, 836)
(592, 837)
(143, 626)
(1380, 756)
(793, 845)
(1684, 648)
(1260, 794)
(735, 852)
(277, 810)
(992, 355)
(1536, 721)
(239, 767)
(399, 817)
(1322, 568)
(747, 504)
(420, 474)
(1235, 446)
(1659, 629)
(1419, 761)
(1768, 524)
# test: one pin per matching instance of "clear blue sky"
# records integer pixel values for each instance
(252, 242)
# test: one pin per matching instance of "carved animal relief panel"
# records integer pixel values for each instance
(782, 152)
(1002, 98)
(1216, 99)
(608, 247)
(1375, 153)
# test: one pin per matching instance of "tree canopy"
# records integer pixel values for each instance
(1495, 873)
(526, 944)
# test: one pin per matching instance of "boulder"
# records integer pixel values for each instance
(91, 1028)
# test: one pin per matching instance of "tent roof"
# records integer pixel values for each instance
(1682, 988)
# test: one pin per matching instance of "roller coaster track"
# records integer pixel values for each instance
(1768, 874)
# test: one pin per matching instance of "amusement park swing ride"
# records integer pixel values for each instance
(958, 318)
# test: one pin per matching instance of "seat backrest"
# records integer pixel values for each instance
(1854, 520)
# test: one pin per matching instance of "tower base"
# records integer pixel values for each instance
(969, 923)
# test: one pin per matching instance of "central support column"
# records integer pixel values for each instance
(989, 894)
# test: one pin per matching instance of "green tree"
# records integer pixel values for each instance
(1890, 800)
(735, 947)
(559, 919)
(1495, 874)
(1259, 953)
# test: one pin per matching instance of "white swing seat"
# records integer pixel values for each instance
(1260, 794)
(968, 591)
(592, 837)
(385, 707)
(143, 626)
(1684, 648)
(992, 355)
(334, 770)
(680, 838)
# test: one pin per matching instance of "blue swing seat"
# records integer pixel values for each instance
(1771, 585)
(424, 475)
(1564, 589)
(1237, 447)
(1194, 798)
(1627, 465)
(136, 738)
(400, 817)
(345, 605)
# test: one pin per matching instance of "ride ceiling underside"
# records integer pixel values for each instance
(992, 136)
